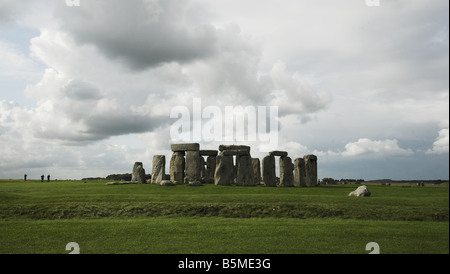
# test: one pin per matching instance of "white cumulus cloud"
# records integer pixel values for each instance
(441, 145)
(365, 146)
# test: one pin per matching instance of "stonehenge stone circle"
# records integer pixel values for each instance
(192, 166)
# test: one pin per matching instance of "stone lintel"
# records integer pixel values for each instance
(185, 147)
(208, 152)
(233, 147)
(278, 153)
(239, 152)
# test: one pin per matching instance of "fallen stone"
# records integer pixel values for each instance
(362, 191)
(195, 183)
(121, 183)
(166, 183)
(185, 147)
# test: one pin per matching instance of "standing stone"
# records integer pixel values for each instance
(245, 175)
(310, 170)
(193, 166)
(177, 165)
(159, 167)
(202, 169)
(210, 169)
(299, 172)
(268, 170)
(138, 174)
(223, 175)
(256, 164)
(286, 171)
(235, 168)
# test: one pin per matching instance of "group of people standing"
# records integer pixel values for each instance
(42, 177)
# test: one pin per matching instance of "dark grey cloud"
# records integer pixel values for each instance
(142, 34)
(82, 91)
(111, 124)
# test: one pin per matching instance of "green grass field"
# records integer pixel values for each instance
(40, 217)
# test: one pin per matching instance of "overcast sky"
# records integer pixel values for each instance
(87, 90)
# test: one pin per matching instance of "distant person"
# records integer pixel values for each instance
(48, 178)
(25, 177)
(42, 178)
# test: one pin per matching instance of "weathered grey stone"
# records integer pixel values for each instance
(245, 176)
(138, 174)
(185, 147)
(208, 152)
(256, 164)
(210, 169)
(240, 152)
(362, 191)
(202, 169)
(299, 172)
(166, 183)
(159, 169)
(310, 170)
(120, 183)
(177, 165)
(195, 183)
(193, 166)
(268, 171)
(233, 147)
(278, 153)
(286, 172)
(223, 175)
